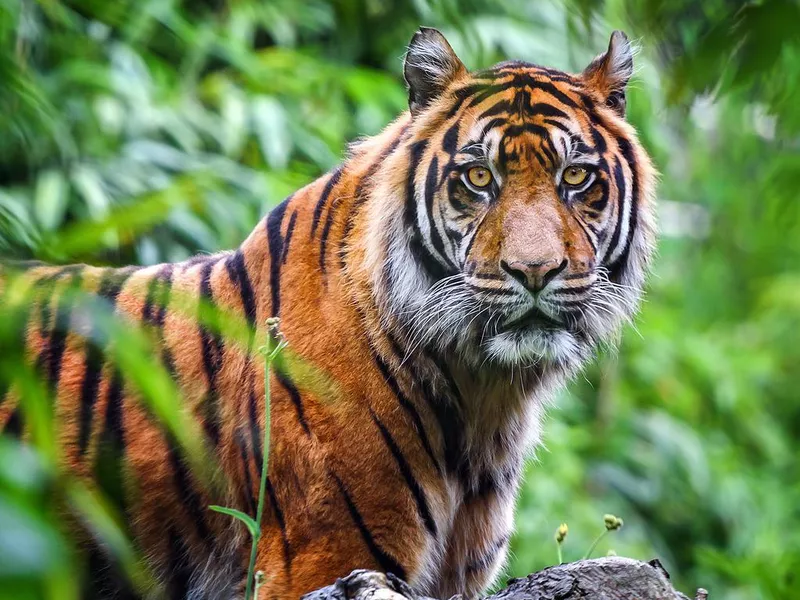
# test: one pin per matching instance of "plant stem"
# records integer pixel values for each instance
(558, 550)
(594, 544)
(269, 354)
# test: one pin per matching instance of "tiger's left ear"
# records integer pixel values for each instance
(609, 73)
(430, 66)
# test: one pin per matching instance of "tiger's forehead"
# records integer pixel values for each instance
(519, 113)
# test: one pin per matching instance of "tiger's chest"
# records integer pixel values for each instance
(473, 549)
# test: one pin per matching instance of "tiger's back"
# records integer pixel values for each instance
(434, 291)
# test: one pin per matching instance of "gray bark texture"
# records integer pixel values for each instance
(610, 578)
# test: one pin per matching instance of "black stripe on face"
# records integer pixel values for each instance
(110, 286)
(275, 242)
(431, 184)
(619, 180)
(211, 345)
(408, 407)
(294, 396)
(190, 499)
(542, 133)
(386, 562)
(450, 139)
(615, 272)
(326, 192)
(276, 510)
(405, 470)
(422, 255)
(475, 93)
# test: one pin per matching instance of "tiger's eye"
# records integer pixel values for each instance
(575, 175)
(480, 177)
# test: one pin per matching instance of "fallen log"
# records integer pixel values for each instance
(610, 578)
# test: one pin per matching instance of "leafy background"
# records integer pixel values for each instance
(140, 131)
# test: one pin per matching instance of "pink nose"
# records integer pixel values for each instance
(534, 275)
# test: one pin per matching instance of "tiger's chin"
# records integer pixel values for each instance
(532, 346)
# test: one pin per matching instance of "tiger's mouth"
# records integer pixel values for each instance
(533, 319)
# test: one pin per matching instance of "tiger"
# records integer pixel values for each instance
(441, 285)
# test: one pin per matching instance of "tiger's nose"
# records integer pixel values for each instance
(534, 275)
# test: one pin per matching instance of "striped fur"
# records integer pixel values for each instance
(400, 426)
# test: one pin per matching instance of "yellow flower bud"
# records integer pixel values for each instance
(561, 532)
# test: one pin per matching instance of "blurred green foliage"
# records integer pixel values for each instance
(150, 130)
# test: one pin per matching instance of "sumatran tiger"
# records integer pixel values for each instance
(442, 283)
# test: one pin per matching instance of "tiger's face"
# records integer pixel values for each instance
(527, 225)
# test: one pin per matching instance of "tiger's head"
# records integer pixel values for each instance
(522, 227)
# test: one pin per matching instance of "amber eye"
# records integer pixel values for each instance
(574, 175)
(480, 177)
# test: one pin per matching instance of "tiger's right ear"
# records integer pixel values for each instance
(430, 66)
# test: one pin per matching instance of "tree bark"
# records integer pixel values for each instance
(610, 578)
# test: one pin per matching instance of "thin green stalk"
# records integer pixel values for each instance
(273, 347)
(594, 544)
(270, 351)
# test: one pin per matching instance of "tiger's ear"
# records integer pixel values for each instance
(430, 66)
(609, 73)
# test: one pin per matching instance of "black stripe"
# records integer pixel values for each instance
(180, 571)
(361, 197)
(276, 509)
(237, 271)
(53, 353)
(619, 179)
(190, 499)
(110, 285)
(620, 264)
(450, 139)
(326, 230)
(161, 298)
(405, 470)
(275, 242)
(326, 192)
(255, 430)
(289, 232)
(386, 562)
(211, 350)
(110, 463)
(431, 183)
(408, 407)
(294, 396)
(489, 556)
(13, 426)
(449, 418)
(165, 275)
(248, 480)
(422, 255)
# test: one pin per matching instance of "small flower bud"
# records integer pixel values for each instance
(612, 522)
(561, 532)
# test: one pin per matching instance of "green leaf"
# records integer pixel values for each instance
(249, 522)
